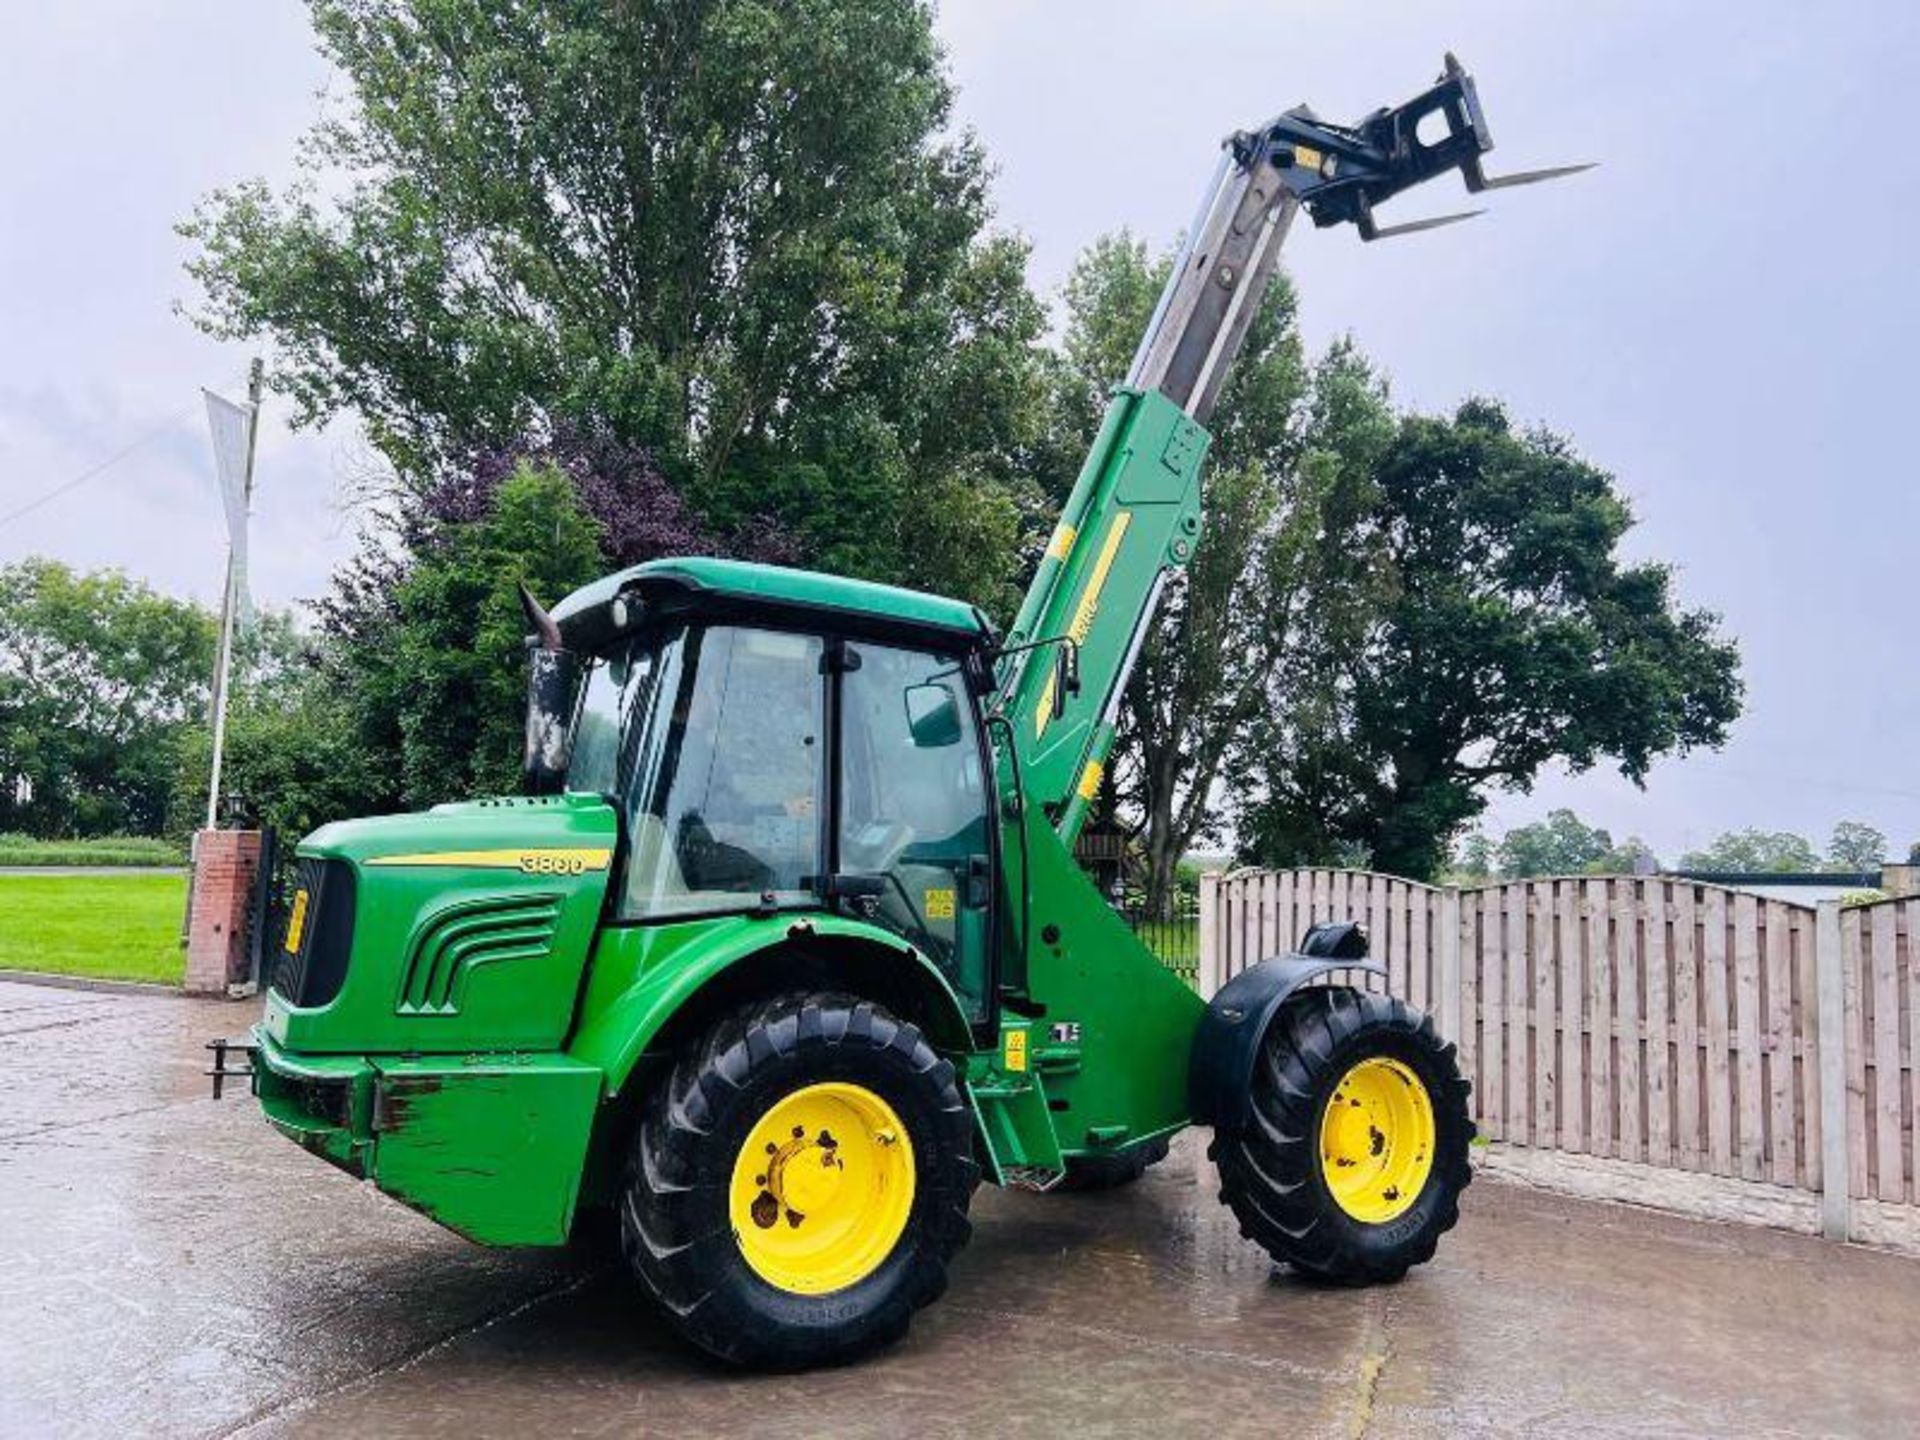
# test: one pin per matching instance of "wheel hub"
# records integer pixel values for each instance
(1377, 1138)
(822, 1188)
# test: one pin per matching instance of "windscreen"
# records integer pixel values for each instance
(711, 740)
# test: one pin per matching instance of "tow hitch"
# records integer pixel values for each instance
(223, 1050)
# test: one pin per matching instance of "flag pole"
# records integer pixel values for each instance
(223, 666)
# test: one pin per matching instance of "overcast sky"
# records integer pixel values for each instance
(1724, 314)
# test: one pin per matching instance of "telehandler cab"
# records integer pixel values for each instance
(787, 948)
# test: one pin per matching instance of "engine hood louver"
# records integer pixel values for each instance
(477, 932)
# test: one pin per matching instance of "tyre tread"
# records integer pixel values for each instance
(1267, 1166)
(663, 1192)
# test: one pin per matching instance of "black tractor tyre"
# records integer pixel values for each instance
(1110, 1172)
(1271, 1171)
(674, 1217)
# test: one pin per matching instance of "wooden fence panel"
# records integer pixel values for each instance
(1907, 920)
(1806, 1026)
(1377, 912)
(1690, 1111)
(1598, 1019)
(1520, 1117)
(1290, 909)
(1889, 1162)
(1560, 952)
(1493, 989)
(1468, 1036)
(1419, 948)
(1630, 1053)
(1642, 1018)
(1777, 1020)
(1658, 1009)
(1748, 1108)
(1854, 1000)
(1544, 1066)
(1715, 959)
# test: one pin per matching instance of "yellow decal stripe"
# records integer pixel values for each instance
(528, 862)
(1102, 567)
(1090, 780)
(1087, 609)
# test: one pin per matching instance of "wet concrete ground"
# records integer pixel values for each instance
(169, 1266)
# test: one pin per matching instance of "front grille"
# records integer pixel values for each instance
(312, 973)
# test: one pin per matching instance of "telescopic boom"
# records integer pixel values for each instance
(1134, 515)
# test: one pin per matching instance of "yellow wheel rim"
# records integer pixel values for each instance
(822, 1188)
(1376, 1140)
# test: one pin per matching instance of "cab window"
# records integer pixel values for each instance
(721, 778)
(914, 805)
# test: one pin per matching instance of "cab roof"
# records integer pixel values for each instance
(745, 590)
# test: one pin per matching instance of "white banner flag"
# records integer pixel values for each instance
(232, 427)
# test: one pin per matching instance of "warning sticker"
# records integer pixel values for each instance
(1016, 1052)
(939, 904)
(297, 925)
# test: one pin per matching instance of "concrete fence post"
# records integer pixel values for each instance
(1208, 979)
(1447, 980)
(1836, 1180)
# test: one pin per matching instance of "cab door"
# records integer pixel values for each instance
(914, 807)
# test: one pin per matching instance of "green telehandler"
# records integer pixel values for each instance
(786, 949)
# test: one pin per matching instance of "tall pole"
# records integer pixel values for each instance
(223, 667)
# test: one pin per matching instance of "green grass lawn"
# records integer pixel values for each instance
(113, 927)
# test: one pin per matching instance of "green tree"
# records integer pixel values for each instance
(99, 675)
(745, 236)
(292, 759)
(1347, 588)
(1754, 852)
(1855, 846)
(1256, 580)
(435, 682)
(1474, 860)
(1514, 634)
(1562, 844)
(1632, 856)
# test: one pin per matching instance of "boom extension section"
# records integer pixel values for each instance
(1133, 518)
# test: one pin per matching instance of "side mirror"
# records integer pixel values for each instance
(933, 716)
(552, 675)
(1066, 676)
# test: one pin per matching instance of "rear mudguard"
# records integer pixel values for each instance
(1227, 1045)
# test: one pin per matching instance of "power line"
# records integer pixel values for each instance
(95, 470)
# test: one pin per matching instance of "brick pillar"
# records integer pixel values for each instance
(225, 863)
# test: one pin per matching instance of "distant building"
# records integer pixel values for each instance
(1810, 887)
